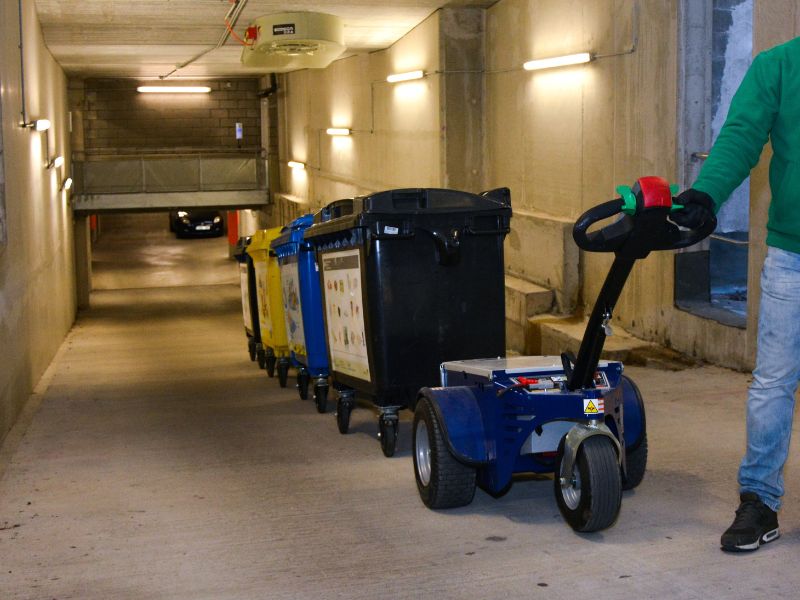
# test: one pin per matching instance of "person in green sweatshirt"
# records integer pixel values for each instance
(766, 106)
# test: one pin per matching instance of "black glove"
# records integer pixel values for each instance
(697, 206)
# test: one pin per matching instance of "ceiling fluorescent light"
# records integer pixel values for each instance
(394, 78)
(557, 61)
(173, 89)
(337, 131)
(293, 164)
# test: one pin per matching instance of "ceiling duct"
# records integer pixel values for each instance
(296, 40)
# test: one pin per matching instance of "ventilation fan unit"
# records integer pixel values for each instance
(297, 40)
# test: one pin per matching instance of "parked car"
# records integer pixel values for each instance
(196, 223)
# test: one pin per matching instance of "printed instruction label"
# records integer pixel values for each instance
(262, 293)
(388, 230)
(292, 309)
(344, 307)
(245, 285)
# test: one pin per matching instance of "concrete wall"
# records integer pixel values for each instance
(37, 290)
(404, 134)
(114, 116)
(562, 140)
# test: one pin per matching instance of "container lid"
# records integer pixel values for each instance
(240, 250)
(293, 232)
(407, 203)
(412, 201)
(334, 210)
(262, 239)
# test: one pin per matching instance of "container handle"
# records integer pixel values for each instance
(488, 225)
(448, 245)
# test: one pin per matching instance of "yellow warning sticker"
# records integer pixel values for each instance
(592, 407)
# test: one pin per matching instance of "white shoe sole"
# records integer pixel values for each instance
(766, 538)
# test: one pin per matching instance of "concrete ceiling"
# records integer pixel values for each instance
(149, 38)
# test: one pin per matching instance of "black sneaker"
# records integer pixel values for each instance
(755, 524)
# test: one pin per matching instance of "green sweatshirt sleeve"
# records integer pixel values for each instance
(747, 127)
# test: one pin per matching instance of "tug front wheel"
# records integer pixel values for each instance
(589, 497)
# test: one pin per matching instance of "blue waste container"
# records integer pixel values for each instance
(302, 304)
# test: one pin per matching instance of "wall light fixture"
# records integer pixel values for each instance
(67, 184)
(337, 131)
(293, 164)
(56, 162)
(396, 77)
(38, 124)
(558, 61)
(173, 89)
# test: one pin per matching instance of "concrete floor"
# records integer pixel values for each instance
(157, 461)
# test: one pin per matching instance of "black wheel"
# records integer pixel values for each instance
(283, 372)
(251, 349)
(343, 410)
(636, 465)
(302, 383)
(261, 357)
(269, 365)
(636, 452)
(442, 481)
(321, 397)
(387, 431)
(589, 498)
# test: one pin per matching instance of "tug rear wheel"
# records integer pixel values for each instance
(442, 481)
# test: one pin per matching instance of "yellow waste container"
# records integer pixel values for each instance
(270, 303)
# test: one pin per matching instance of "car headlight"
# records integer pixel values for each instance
(217, 219)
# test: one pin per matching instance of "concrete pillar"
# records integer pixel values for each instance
(83, 260)
(461, 102)
(694, 89)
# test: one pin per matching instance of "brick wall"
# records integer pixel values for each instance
(111, 116)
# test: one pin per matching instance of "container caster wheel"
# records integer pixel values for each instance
(303, 379)
(321, 397)
(269, 365)
(387, 431)
(261, 357)
(283, 372)
(251, 350)
(344, 407)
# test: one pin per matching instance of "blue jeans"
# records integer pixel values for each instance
(770, 405)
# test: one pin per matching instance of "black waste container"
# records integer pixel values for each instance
(410, 278)
(247, 279)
